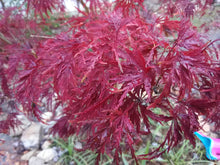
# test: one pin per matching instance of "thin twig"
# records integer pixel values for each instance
(37, 36)
(4, 38)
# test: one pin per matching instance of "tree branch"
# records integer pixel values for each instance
(3, 4)
(84, 5)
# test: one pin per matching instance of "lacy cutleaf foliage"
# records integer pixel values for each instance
(43, 7)
(110, 70)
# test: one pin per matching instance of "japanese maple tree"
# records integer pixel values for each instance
(110, 69)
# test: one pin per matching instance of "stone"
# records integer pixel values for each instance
(6, 143)
(32, 136)
(46, 144)
(36, 161)
(47, 116)
(19, 147)
(28, 155)
(78, 145)
(17, 131)
(47, 154)
(47, 121)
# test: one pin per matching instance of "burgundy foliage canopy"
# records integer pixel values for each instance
(110, 70)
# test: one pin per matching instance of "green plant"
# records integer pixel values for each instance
(183, 154)
(186, 154)
(70, 154)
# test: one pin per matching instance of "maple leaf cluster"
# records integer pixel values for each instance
(109, 71)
